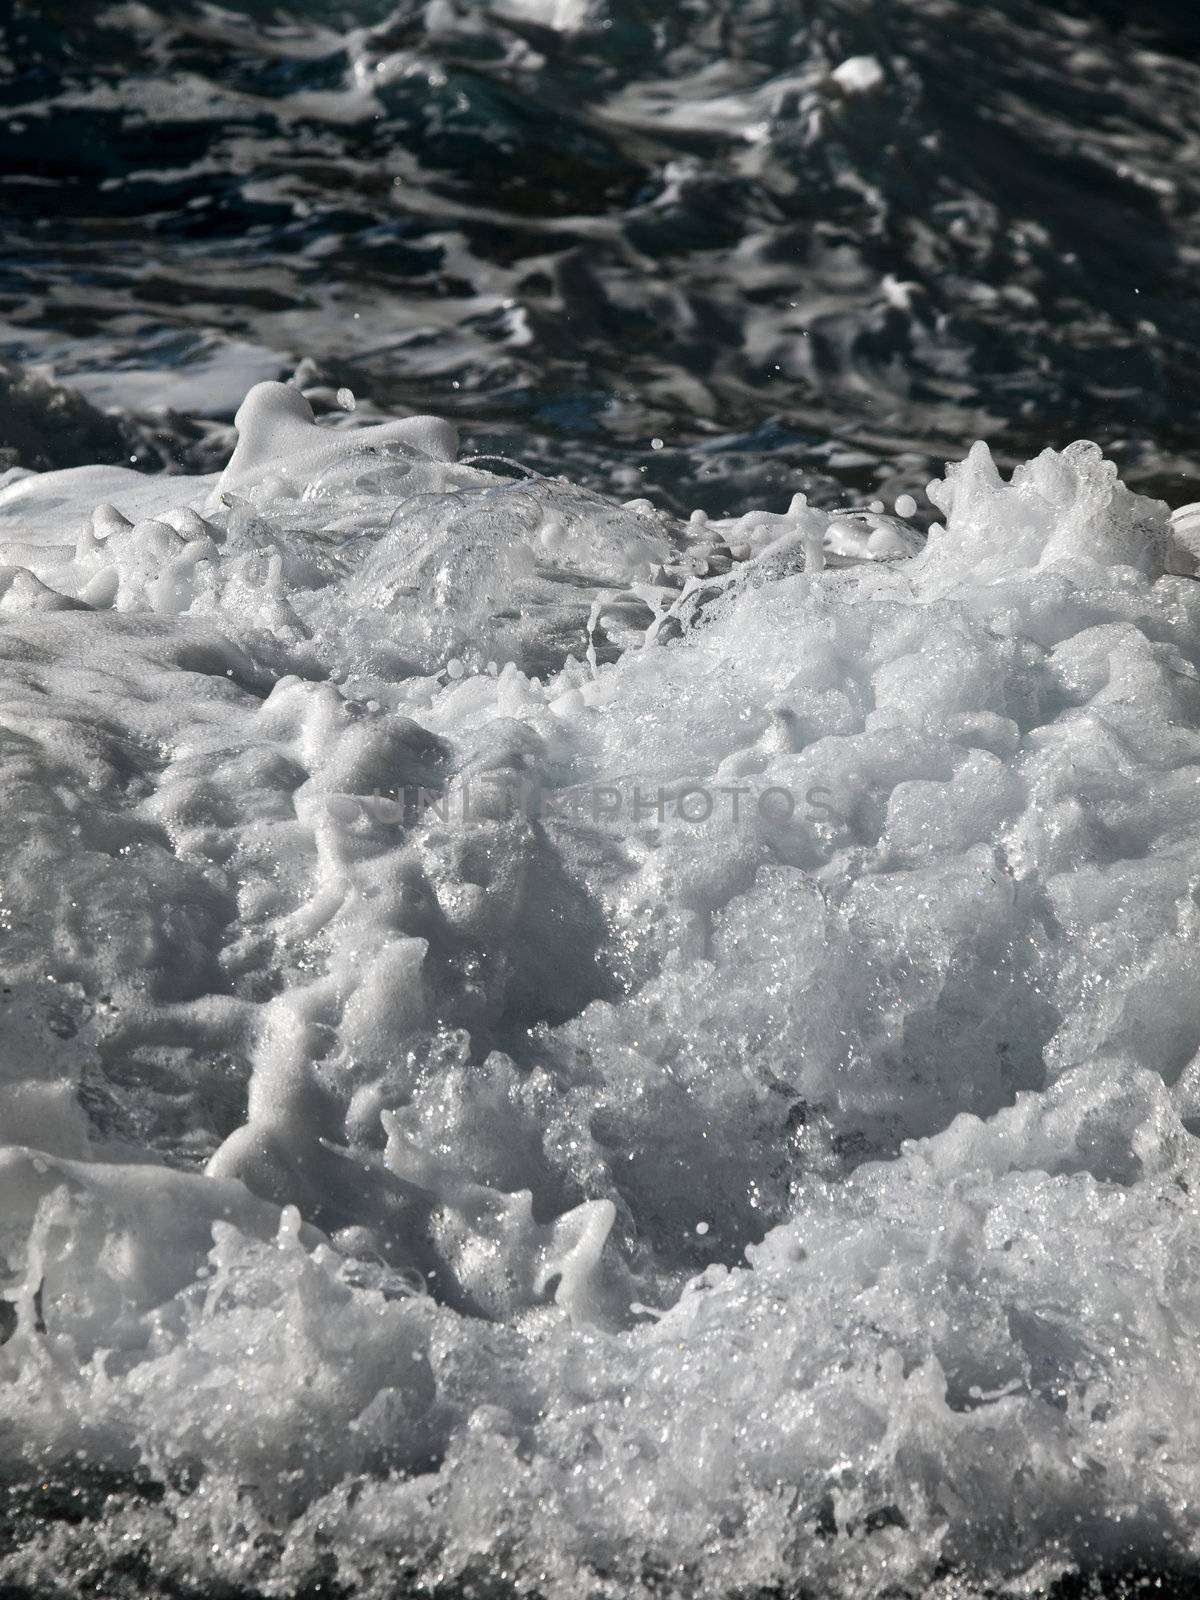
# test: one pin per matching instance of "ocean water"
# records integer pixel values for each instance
(599, 952)
(575, 226)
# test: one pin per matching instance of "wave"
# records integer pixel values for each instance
(546, 1048)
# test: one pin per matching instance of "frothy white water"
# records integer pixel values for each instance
(549, 1045)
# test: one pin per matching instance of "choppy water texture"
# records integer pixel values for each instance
(550, 1045)
(579, 225)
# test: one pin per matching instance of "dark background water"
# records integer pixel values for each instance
(580, 225)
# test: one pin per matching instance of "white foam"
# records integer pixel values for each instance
(841, 1011)
(858, 75)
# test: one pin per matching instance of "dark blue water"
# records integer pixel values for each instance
(580, 225)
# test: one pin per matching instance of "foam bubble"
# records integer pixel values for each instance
(858, 75)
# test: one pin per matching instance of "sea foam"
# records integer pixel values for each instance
(547, 1046)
